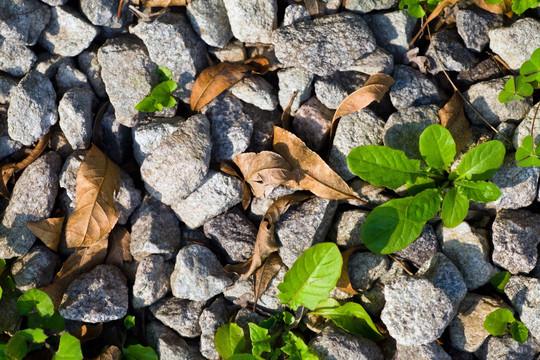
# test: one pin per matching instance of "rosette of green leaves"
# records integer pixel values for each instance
(161, 94)
(519, 6)
(528, 80)
(497, 322)
(415, 8)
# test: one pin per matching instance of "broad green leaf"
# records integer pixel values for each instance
(271, 321)
(70, 349)
(500, 280)
(383, 166)
(148, 104)
(413, 8)
(497, 321)
(387, 229)
(16, 348)
(520, 6)
(519, 332)
(482, 162)
(35, 298)
(523, 88)
(139, 352)
(420, 185)
(229, 340)
(437, 147)
(526, 155)
(245, 357)
(296, 348)
(0, 292)
(3, 355)
(2, 265)
(454, 208)
(531, 68)
(288, 318)
(326, 304)
(164, 73)
(55, 322)
(129, 321)
(479, 191)
(352, 318)
(162, 93)
(260, 340)
(33, 335)
(530, 161)
(424, 205)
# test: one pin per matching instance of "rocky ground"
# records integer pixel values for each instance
(63, 60)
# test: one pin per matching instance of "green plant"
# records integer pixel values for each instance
(394, 225)
(307, 284)
(500, 280)
(415, 8)
(161, 95)
(523, 85)
(518, 6)
(131, 350)
(496, 324)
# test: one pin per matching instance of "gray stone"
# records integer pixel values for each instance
(217, 314)
(117, 142)
(372, 301)
(504, 347)
(76, 116)
(88, 63)
(55, 2)
(100, 295)
(333, 89)
(506, 130)
(59, 143)
(32, 199)
(312, 123)
(412, 88)
(15, 58)
(169, 345)
(431, 351)
(23, 20)
(379, 61)
(155, 230)
(126, 55)
(524, 293)
(346, 228)
(419, 308)
(67, 33)
(7, 145)
(243, 318)
(484, 97)
(233, 52)
(151, 281)
(197, 274)
(233, 233)
(516, 234)
(404, 127)
(324, 45)
(335, 344)
(393, 30)
(209, 20)
(514, 43)
(104, 13)
(295, 13)
(473, 25)
(365, 6)
(7, 84)
(180, 315)
(360, 128)
(524, 128)
(484, 70)
(148, 135)
(365, 268)
(293, 80)
(180, 162)
(67, 77)
(35, 269)
(263, 127)
(452, 54)
(421, 249)
(32, 110)
(256, 91)
(252, 21)
(48, 63)
(172, 43)
(303, 226)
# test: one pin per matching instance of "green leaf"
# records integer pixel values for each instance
(500, 280)
(245, 357)
(454, 208)
(162, 93)
(55, 322)
(260, 340)
(148, 104)
(497, 321)
(288, 318)
(129, 321)
(164, 73)
(352, 318)
(530, 161)
(311, 278)
(482, 162)
(70, 348)
(387, 229)
(16, 348)
(526, 155)
(296, 348)
(420, 185)
(424, 205)
(531, 68)
(479, 191)
(33, 335)
(437, 147)
(493, 2)
(519, 332)
(139, 352)
(383, 166)
(413, 8)
(520, 6)
(2, 264)
(35, 298)
(3, 355)
(229, 340)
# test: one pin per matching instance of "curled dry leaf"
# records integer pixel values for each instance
(286, 115)
(432, 16)
(311, 172)
(48, 230)
(110, 352)
(453, 118)
(161, 3)
(118, 249)
(344, 281)
(88, 332)
(229, 170)
(95, 214)
(264, 274)
(259, 65)
(502, 8)
(421, 62)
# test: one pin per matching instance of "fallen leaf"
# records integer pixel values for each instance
(88, 332)
(311, 172)
(161, 3)
(312, 7)
(264, 274)
(421, 62)
(502, 8)
(48, 230)
(373, 89)
(95, 214)
(259, 65)
(229, 170)
(110, 352)
(344, 282)
(286, 115)
(264, 171)
(118, 249)
(432, 16)
(453, 118)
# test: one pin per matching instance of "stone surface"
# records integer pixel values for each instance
(169, 345)
(506, 130)
(312, 123)
(524, 293)
(209, 20)
(151, 281)
(172, 43)
(104, 13)
(256, 91)
(180, 315)
(421, 249)
(504, 347)
(23, 20)
(295, 13)
(211, 319)
(365, 268)
(524, 128)
(516, 234)
(35, 269)
(346, 228)
(252, 20)
(293, 80)
(15, 58)
(303, 226)
(484, 70)
(197, 274)
(32, 199)
(473, 25)
(333, 89)
(263, 127)
(431, 351)
(324, 45)
(100, 295)
(216, 194)
(117, 141)
(76, 116)
(88, 63)
(7, 145)
(412, 88)
(32, 109)
(48, 63)
(453, 55)
(335, 344)
(7, 84)
(379, 61)
(149, 134)
(393, 30)
(68, 76)
(365, 6)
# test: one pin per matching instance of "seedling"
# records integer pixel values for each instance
(500, 280)
(161, 94)
(496, 324)
(415, 8)
(394, 225)
(519, 6)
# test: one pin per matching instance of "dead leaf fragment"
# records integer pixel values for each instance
(161, 3)
(118, 249)
(453, 118)
(286, 115)
(110, 352)
(229, 170)
(502, 8)
(95, 214)
(421, 62)
(344, 281)
(47, 230)
(432, 16)
(264, 275)
(88, 332)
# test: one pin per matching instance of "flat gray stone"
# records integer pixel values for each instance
(233, 52)
(504, 347)
(365, 268)
(35, 269)
(334, 343)
(473, 25)
(346, 228)
(333, 89)
(68, 76)
(252, 20)
(180, 315)
(256, 91)
(393, 30)
(412, 88)
(15, 58)
(169, 345)
(76, 116)
(379, 61)
(23, 20)
(453, 55)
(149, 134)
(7, 145)
(104, 13)
(7, 84)
(295, 13)
(48, 63)
(431, 351)
(88, 63)
(365, 6)
(422, 249)
(524, 293)
(151, 281)
(293, 80)
(209, 20)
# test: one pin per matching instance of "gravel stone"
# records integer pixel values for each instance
(346, 228)
(507, 130)
(7, 145)
(256, 91)
(209, 20)
(295, 13)
(233, 52)
(303, 226)
(116, 138)
(180, 163)
(412, 88)
(180, 315)
(485, 70)
(252, 20)
(324, 45)
(67, 77)
(312, 123)
(172, 43)
(365, 6)
(379, 61)
(100, 295)
(431, 351)
(422, 249)
(393, 30)
(333, 89)
(32, 110)
(263, 127)
(524, 128)
(15, 58)
(211, 319)
(150, 133)
(23, 20)
(104, 13)
(473, 25)
(335, 344)
(32, 199)
(404, 127)
(169, 345)
(294, 80)
(452, 54)
(7, 84)
(67, 33)
(35, 269)
(365, 268)
(88, 63)
(524, 293)
(48, 64)
(151, 281)
(76, 116)
(360, 128)
(504, 347)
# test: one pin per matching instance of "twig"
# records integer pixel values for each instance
(401, 264)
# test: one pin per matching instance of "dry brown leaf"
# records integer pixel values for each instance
(259, 65)
(229, 170)
(264, 171)
(110, 352)
(312, 7)
(118, 250)
(264, 274)
(286, 115)
(88, 332)
(502, 8)
(95, 214)
(344, 282)
(453, 118)
(311, 172)
(432, 16)
(374, 89)
(48, 230)
(421, 62)
(162, 3)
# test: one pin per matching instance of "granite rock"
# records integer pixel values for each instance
(295, 13)
(117, 141)
(169, 345)
(379, 61)
(336, 344)
(68, 76)
(15, 58)
(365, 268)
(252, 20)
(524, 128)
(331, 90)
(421, 249)
(473, 25)
(412, 88)
(180, 315)
(453, 55)
(524, 293)
(217, 314)
(346, 228)
(88, 63)
(293, 80)
(209, 20)
(150, 133)
(263, 127)
(365, 6)
(431, 351)
(256, 91)
(23, 20)
(104, 13)
(504, 347)
(76, 116)
(393, 30)
(312, 123)
(151, 281)
(35, 269)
